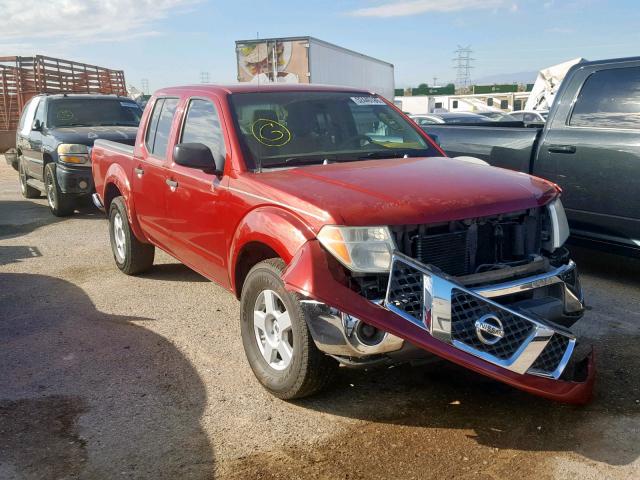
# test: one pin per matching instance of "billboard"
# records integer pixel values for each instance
(269, 61)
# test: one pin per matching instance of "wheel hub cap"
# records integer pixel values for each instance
(272, 327)
(119, 237)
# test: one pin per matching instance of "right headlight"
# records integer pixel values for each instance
(558, 226)
(360, 249)
(73, 153)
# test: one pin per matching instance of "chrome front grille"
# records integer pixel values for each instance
(454, 314)
(405, 291)
(552, 355)
(466, 309)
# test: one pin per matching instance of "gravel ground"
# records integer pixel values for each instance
(107, 376)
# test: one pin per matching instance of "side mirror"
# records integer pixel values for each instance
(37, 125)
(435, 139)
(196, 155)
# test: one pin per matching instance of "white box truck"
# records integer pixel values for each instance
(309, 60)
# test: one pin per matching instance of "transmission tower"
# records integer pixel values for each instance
(145, 86)
(462, 63)
(204, 77)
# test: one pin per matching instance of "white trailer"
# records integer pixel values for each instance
(309, 60)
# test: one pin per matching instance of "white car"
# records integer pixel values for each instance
(530, 116)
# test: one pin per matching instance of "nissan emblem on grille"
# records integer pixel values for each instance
(489, 329)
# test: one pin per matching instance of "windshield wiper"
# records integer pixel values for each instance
(392, 154)
(291, 161)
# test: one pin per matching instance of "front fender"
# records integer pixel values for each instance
(117, 176)
(275, 227)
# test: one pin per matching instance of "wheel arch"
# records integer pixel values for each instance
(265, 232)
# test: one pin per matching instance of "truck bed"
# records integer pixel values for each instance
(103, 155)
(506, 147)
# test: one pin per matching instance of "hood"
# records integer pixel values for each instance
(404, 191)
(88, 135)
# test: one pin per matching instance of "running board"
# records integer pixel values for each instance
(32, 182)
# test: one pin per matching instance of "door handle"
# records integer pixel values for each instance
(562, 148)
(172, 184)
(139, 171)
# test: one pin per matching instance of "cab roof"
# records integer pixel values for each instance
(254, 88)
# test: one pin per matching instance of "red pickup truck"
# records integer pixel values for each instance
(348, 237)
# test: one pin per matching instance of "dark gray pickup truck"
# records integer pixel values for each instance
(590, 146)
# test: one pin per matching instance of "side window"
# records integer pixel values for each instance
(202, 125)
(24, 115)
(530, 118)
(40, 113)
(609, 99)
(157, 137)
(153, 124)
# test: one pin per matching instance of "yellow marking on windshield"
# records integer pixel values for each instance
(270, 133)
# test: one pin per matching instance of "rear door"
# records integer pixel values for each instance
(195, 211)
(592, 150)
(150, 172)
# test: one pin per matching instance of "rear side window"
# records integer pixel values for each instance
(202, 125)
(609, 99)
(157, 137)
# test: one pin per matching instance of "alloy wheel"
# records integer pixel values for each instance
(272, 327)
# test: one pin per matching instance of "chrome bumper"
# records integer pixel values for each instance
(473, 321)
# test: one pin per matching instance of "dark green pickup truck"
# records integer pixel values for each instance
(590, 146)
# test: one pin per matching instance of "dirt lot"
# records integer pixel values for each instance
(108, 376)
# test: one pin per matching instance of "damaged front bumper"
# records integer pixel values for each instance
(464, 325)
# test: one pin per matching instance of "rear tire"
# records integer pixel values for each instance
(60, 204)
(276, 338)
(27, 190)
(131, 255)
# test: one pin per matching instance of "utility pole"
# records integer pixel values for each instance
(145, 86)
(204, 77)
(462, 63)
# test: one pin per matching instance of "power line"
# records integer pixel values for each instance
(462, 64)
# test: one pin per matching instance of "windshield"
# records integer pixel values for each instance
(298, 128)
(92, 112)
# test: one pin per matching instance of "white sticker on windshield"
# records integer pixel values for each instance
(129, 104)
(367, 101)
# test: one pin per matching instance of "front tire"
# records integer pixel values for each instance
(131, 255)
(60, 204)
(27, 190)
(276, 339)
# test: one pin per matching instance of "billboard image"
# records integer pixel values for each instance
(273, 61)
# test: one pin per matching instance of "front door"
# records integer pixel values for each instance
(34, 159)
(595, 156)
(195, 210)
(150, 171)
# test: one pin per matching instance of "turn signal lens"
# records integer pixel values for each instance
(360, 249)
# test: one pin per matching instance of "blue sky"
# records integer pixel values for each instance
(170, 42)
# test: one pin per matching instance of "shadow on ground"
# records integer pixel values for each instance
(84, 394)
(21, 217)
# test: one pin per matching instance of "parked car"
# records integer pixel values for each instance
(588, 146)
(497, 116)
(54, 139)
(347, 237)
(529, 116)
(448, 117)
